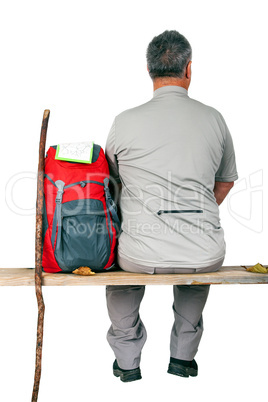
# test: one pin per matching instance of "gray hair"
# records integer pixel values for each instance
(168, 55)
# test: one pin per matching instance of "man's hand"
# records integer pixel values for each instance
(221, 189)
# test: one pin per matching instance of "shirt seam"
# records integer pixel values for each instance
(222, 178)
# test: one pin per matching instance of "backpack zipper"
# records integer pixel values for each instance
(179, 211)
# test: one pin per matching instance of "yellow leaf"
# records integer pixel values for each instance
(83, 271)
(258, 268)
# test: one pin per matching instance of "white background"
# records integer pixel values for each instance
(85, 61)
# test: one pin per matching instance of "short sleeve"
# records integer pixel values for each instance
(111, 155)
(227, 171)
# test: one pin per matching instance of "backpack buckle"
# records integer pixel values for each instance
(60, 185)
(59, 196)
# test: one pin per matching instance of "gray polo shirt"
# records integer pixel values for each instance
(168, 153)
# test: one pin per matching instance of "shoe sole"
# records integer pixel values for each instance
(127, 376)
(182, 371)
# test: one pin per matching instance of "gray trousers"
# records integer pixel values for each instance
(127, 333)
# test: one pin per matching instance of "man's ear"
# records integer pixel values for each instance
(147, 68)
(188, 70)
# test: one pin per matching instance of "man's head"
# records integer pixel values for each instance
(169, 59)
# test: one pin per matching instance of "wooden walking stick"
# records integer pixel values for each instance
(38, 255)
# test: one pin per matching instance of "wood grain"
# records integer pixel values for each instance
(226, 275)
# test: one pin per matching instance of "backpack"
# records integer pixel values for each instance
(80, 223)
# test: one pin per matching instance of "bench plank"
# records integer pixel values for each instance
(226, 275)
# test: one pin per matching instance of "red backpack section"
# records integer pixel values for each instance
(79, 219)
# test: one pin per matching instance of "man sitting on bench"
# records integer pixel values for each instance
(173, 161)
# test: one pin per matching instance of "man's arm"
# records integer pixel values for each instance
(221, 189)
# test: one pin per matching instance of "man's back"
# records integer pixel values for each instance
(170, 151)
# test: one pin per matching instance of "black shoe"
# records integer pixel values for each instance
(126, 375)
(183, 368)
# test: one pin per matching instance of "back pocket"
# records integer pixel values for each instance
(83, 238)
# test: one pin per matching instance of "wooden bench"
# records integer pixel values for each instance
(225, 275)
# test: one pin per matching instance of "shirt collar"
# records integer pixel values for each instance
(168, 89)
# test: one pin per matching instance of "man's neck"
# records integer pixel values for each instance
(160, 82)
